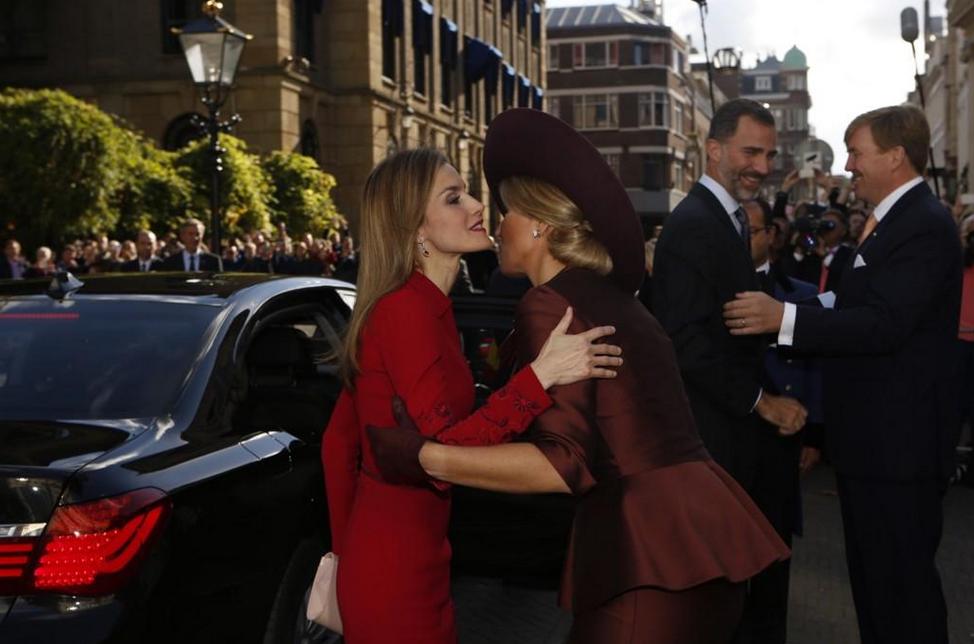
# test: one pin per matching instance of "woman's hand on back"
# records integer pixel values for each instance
(566, 358)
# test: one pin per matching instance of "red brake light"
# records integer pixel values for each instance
(88, 548)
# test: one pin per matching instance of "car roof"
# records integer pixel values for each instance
(202, 285)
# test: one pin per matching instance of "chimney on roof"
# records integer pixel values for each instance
(651, 8)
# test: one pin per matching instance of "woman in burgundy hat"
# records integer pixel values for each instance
(663, 538)
(417, 220)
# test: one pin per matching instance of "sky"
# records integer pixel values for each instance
(856, 58)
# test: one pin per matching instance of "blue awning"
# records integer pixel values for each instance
(423, 26)
(523, 91)
(449, 37)
(507, 85)
(481, 60)
(393, 15)
(537, 98)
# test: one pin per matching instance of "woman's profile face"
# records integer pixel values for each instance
(517, 242)
(454, 222)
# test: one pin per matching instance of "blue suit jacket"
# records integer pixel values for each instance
(889, 394)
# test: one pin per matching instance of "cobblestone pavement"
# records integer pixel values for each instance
(821, 611)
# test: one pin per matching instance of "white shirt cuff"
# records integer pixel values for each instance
(758, 399)
(786, 335)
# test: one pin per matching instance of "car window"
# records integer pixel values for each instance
(96, 359)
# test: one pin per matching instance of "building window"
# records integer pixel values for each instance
(554, 106)
(654, 109)
(679, 61)
(596, 111)
(762, 84)
(422, 43)
(678, 117)
(679, 176)
(552, 57)
(449, 39)
(182, 131)
(392, 27)
(652, 173)
(303, 29)
(612, 160)
(596, 54)
(796, 119)
(649, 53)
(310, 146)
(796, 83)
(175, 14)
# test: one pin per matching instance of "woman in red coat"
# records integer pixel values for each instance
(417, 220)
(663, 538)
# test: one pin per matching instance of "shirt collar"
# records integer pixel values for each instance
(729, 203)
(430, 292)
(884, 206)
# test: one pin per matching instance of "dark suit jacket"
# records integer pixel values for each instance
(208, 263)
(5, 270)
(839, 263)
(889, 384)
(700, 264)
(132, 266)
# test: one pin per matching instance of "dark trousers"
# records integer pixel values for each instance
(775, 491)
(704, 614)
(892, 531)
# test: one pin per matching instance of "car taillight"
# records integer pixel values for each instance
(88, 548)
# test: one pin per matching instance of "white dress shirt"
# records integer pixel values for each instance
(187, 259)
(786, 335)
(730, 204)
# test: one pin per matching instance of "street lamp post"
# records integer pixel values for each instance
(909, 30)
(213, 47)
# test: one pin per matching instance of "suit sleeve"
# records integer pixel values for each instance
(687, 305)
(413, 356)
(900, 291)
(567, 433)
(340, 456)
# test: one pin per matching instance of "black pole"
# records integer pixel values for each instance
(923, 104)
(216, 169)
(706, 53)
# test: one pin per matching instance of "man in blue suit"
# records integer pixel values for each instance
(779, 458)
(890, 408)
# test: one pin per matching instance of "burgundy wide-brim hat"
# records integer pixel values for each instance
(530, 143)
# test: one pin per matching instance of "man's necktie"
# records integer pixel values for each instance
(743, 227)
(192, 262)
(871, 223)
(766, 282)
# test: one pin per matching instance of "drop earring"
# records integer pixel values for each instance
(536, 233)
(422, 246)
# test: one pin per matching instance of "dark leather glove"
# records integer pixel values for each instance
(396, 449)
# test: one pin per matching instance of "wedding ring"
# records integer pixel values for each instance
(743, 323)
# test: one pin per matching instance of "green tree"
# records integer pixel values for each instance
(245, 190)
(302, 194)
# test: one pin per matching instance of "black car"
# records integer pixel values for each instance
(160, 476)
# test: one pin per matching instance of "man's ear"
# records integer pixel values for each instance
(714, 150)
(897, 157)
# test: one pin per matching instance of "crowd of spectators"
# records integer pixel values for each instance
(333, 255)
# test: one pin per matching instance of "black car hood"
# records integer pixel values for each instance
(38, 457)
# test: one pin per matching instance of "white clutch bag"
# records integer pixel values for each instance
(323, 600)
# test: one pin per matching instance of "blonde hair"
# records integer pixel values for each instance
(393, 208)
(570, 240)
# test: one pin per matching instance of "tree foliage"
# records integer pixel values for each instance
(302, 194)
(67, 169)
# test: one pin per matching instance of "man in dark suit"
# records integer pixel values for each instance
(701, 260)
(146, 259)
(835, 252)
(780, 459)
(889, 383)
(13, 265)
(191, 258)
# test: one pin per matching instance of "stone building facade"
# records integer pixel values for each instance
(343, 81)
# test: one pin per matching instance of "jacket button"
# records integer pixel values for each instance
(787, 387)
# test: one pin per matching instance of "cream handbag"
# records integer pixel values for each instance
(323, 600)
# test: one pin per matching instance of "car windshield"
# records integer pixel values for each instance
(96, 359)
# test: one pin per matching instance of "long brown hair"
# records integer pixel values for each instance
(393, 208)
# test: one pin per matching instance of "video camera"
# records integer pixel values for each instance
(812, 225)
